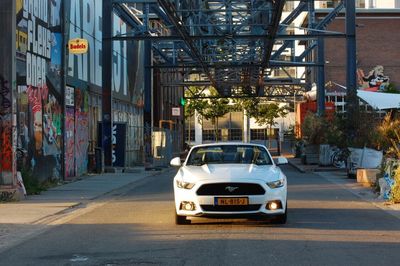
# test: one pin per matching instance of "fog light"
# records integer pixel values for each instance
(274, 205)
(187, 206)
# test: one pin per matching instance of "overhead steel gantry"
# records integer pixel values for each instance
(235, 45)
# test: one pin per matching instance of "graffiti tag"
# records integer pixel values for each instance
(7, 195)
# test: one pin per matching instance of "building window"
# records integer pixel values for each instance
(235, 134)
(192, 135)
(209, 134)
(258, 134)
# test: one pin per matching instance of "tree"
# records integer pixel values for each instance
(268, 113)
(215, 108)
(209, 108)
(193, 105)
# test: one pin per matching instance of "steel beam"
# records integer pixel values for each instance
(219, 37)
(321, 78)
(107, 82)
(351, 79)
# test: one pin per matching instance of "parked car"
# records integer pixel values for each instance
(230, 180)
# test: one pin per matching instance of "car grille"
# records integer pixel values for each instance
(231, 208)
(230, 189)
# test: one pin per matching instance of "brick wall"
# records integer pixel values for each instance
(378, 43)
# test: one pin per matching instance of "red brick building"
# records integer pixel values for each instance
(378, 43)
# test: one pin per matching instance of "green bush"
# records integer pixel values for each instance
(32, 185)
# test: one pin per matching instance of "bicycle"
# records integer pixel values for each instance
(340, 157)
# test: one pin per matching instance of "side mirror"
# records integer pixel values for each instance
(176, 162)
(281, 160)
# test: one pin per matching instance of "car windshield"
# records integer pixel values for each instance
(229, 154)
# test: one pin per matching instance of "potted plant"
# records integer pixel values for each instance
(313, 132)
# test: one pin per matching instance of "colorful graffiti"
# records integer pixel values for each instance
(7, 195)
(81, 142)
(35, 98)
(69, 143)
(6, 148)
(52, 140)
(6, 158)
(81, 131)
(39, 94)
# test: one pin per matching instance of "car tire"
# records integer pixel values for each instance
(181, 219)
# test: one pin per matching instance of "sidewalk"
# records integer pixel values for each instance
(339, 176)
(19, 220)
(304, 168)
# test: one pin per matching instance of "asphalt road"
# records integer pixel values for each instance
(327, 225)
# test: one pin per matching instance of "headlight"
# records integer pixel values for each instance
(276, 184)
(185, 185)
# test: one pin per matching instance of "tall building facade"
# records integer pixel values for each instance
(53, 116)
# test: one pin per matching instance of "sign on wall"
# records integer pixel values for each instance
(69, 96)
(176, 111)
(78, 46)
(118, 142)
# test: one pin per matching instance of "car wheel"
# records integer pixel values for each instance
(181, 219)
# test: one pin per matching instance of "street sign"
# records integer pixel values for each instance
(176, 111)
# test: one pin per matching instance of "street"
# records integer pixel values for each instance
(327, 225)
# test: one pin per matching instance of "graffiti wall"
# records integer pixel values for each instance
(6, 132)
(85, 71)
(81, 131)
(39, 53)
(69, 142)
(7, 101)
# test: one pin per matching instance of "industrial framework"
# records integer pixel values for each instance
(233, 45)
(236, 46)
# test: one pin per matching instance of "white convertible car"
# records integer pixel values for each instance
(230, 180)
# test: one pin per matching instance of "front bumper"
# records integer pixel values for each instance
(205, 205)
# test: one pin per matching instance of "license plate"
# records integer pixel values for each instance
(231, 201)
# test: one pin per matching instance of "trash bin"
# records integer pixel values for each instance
(99, 156)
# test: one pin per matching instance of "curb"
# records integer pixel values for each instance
(301, 170)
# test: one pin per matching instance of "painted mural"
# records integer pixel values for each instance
(39, 53)
(374, 81)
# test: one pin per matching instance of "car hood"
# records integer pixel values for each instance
(228, 172)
